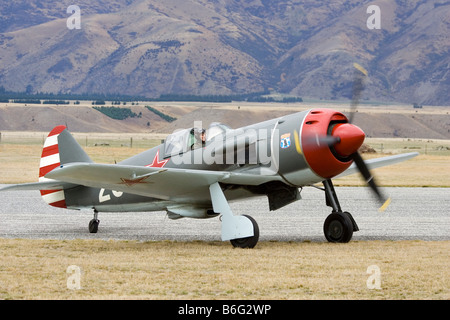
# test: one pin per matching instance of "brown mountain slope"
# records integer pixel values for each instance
(304, 48)
(390, 122)
(77, 119)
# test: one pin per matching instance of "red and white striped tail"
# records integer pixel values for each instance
(50, 160)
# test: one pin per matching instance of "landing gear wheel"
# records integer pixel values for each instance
(338, 227)
(249, 242)
(93, 225)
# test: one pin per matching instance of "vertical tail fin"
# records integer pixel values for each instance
(59, 148)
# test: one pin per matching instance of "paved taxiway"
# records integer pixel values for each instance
(414, 214)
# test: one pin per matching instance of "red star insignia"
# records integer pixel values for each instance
(132, 182)
(156, 162)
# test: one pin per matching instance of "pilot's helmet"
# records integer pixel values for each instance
(199, 132)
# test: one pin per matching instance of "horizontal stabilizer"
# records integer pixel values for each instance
(45, 185)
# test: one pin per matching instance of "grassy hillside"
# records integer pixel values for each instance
(203, 47)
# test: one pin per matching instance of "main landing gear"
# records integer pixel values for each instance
(248, 242)
(93, 224)
(241, 231)
(339, 226)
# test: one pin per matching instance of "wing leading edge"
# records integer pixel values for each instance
(379, 162)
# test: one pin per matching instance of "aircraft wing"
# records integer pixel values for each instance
(379, 162)
(166, 183)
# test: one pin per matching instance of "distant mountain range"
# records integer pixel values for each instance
(201, 47)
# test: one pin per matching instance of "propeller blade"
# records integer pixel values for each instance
(368, 177)
(360, 75)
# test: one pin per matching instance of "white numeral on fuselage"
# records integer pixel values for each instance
(102, 197)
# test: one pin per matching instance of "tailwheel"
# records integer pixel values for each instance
(93, 224)
(249, 242)
(338, 227)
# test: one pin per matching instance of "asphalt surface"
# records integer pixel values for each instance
(414, 214)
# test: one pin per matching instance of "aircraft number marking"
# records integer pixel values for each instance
(102, 197)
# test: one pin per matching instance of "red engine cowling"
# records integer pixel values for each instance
(328, 140)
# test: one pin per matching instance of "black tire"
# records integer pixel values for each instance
(338, 227)
(93, 225)
(249, 242)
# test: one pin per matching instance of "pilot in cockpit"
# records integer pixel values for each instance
(198, 138)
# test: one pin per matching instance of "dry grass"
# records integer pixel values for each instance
(36, 269)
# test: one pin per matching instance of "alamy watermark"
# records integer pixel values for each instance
(374, 20)
(374, 280)
(74, 278)
(239, 146)
(74, 21)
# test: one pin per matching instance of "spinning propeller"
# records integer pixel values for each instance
(344, 138)
(360, 75)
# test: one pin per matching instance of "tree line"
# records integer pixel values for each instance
(6, 96)
(61, 98)
(118, 113)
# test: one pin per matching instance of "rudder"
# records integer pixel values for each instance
(59, 148)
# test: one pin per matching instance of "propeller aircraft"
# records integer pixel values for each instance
(195, 173)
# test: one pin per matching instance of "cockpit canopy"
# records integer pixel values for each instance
(184, 140)
(177, 143)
